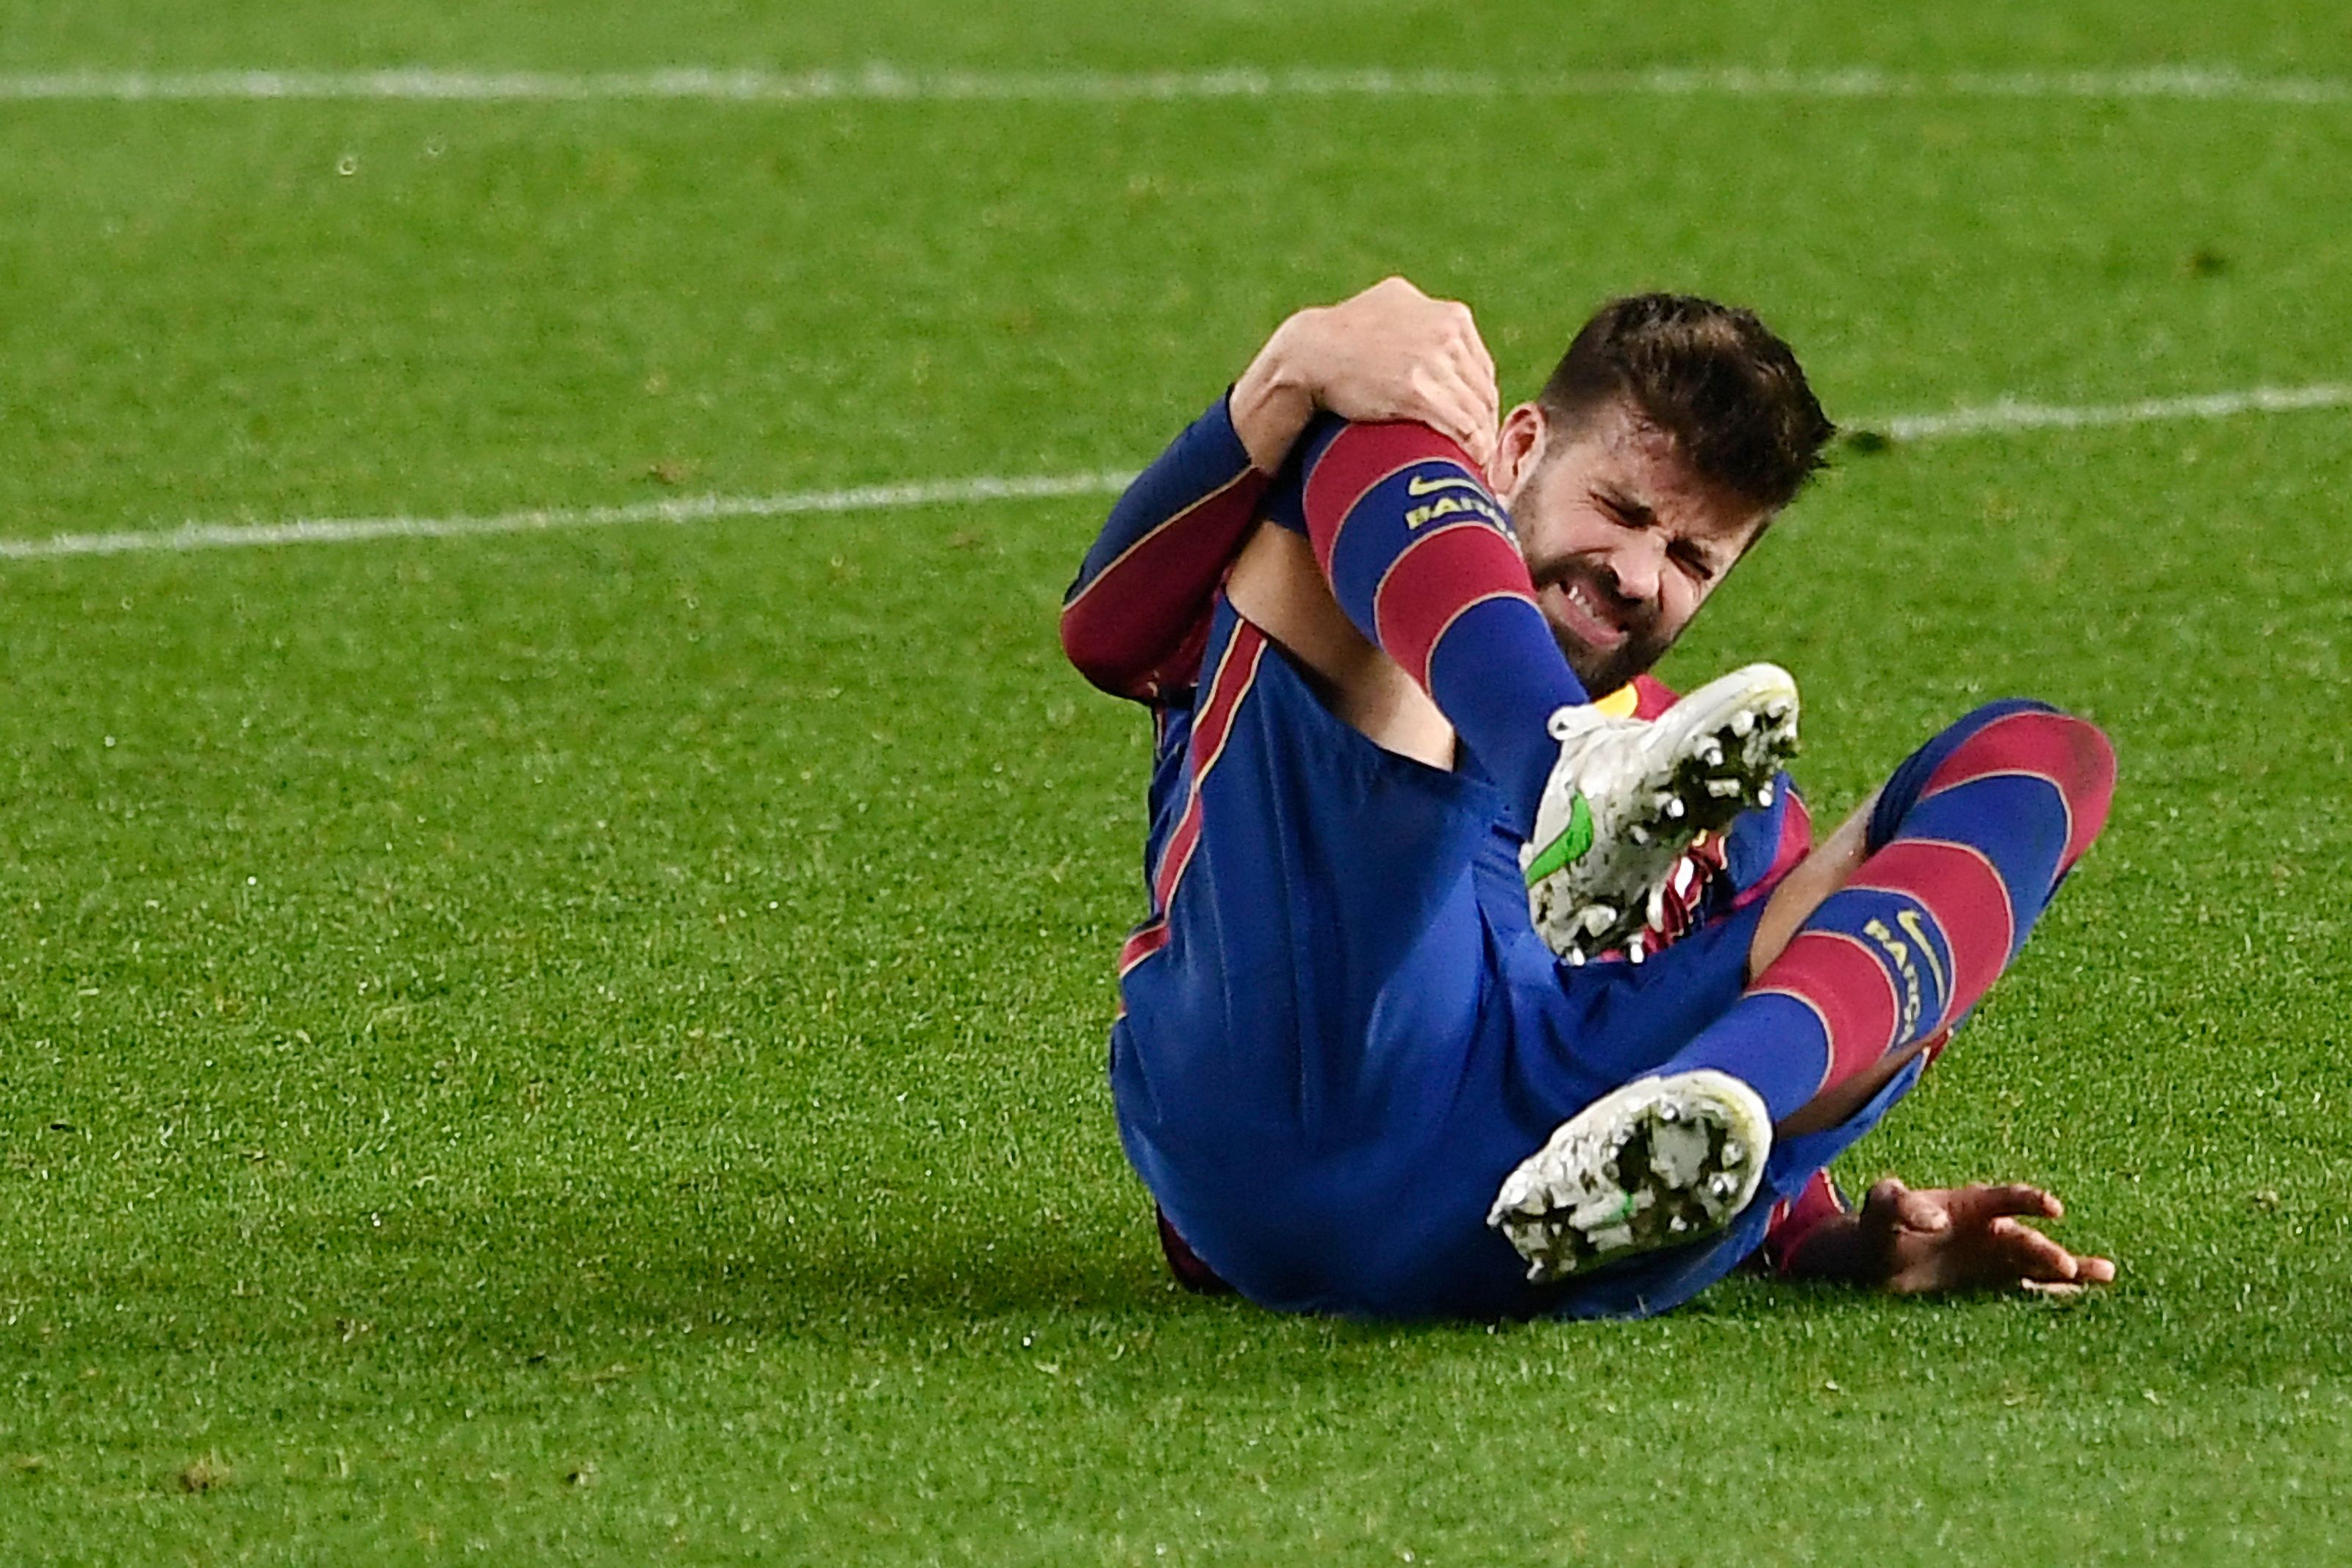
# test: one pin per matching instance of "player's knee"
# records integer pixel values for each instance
(2093, 761)
(2089, 783)
(2073, 753)
(2013, 735)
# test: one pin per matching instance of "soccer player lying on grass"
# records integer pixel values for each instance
(1417, 807)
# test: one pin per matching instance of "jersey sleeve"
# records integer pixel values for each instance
(1795, 1218)
(1136, 619)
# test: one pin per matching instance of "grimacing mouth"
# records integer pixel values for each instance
(1636, 625)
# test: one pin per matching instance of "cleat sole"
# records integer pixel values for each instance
(1662, 1162)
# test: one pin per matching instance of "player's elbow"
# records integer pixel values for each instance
(1100, 650)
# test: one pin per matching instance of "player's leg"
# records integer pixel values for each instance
(1421, 560)
(1424, 626)
(1963, 847)
(1309, 980)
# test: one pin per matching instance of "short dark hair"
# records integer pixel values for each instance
(1712, 377)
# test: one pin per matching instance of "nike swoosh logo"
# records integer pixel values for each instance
(1417, 486)
(1909, 920)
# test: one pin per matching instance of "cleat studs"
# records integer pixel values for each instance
(1765, 794)
(1670, 1113)
(1723, 788)
(1734, 1152)
(1674, 808)
(1638, 833)
(1742, 722)
(1635, 951)
(1711, 754)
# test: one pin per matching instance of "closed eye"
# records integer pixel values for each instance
(1624, 510)
(1695, 562)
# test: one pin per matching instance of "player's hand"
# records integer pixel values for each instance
(1394, 353)
(1967, 1239)
(1390, 353)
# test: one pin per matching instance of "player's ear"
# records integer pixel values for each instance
(1517, 451)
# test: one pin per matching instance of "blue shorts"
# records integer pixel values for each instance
(1340, 1031)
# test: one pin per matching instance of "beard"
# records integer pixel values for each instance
(1600, 670)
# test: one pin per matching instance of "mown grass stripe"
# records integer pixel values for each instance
(892, 84)
(2002, 416)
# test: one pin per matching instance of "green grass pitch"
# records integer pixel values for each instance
(586, 1046)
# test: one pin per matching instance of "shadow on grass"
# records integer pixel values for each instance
(528, 1278)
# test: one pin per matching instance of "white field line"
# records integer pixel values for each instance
(691, 509)
(882, 83)
(2008, 413)
(2005, 416)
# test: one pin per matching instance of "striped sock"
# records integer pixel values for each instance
(1968, 840)
(1423, 561)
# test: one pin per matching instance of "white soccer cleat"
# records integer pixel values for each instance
(1628, 796)
(1656, 1164)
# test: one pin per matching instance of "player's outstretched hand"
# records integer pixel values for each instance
(1966, 1239)
(1390, 353)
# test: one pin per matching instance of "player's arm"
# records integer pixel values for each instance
(1950, 1238)
(1390, 354)
(1134, 620)
(1794, 1221)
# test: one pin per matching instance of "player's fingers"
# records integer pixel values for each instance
(1480, 378)
(1428, 397)
(1477, 406)
(1444, 403)
(1882, 1207)
(1480, 364)
(1921, 1212)
(1882, 1194)
(2029, 1254)
(1979, 1204)
(2088, 1272)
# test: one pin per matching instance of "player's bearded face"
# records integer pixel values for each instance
(1608, 636)
(1624, 544)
